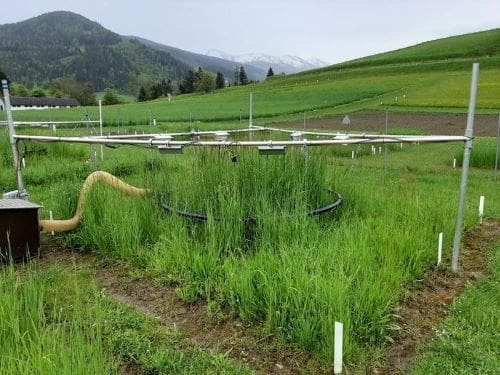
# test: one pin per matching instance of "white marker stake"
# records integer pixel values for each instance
(380, 149)
(440, 248)
(454, 162)
(352, 154)
(401, 145)
(51, 218)
(337, 351)
(24, 162)
(481, 209)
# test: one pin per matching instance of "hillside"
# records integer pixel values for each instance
(482, 45)
(63, 43)
(57, 44)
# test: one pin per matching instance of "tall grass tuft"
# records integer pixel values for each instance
(294, 274)
(39, 335)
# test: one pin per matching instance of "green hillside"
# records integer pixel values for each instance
(58, 44)
(477, 46)
(434, 85)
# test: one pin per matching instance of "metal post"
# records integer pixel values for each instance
(100, 128)
(13, 143)
(469, 133)
(498, 149)
(250, 119)
(385, 146)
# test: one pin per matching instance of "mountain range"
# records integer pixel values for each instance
(287, 64)
(57, 44)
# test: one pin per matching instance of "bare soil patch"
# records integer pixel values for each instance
(430, 298)
(431, 123)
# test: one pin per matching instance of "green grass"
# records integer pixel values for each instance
(471, 46)
(292, 274)
(468, 341)
(38, 333)
(54, 320)
(483, 154)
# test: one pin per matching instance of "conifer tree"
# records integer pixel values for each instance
(220, 82)
(270, 72)
(187, 84)
(243, 76)
(143, 96)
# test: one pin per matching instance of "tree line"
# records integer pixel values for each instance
(156, 90)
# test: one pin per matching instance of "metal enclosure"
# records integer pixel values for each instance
(19, 229)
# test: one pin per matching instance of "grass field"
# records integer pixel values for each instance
(320, 95)
(292, 274)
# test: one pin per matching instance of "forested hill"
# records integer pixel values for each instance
(57, 44)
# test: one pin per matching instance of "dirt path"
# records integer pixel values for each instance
(242, 342)
(431, 297)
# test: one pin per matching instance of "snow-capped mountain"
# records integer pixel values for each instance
(281, 64)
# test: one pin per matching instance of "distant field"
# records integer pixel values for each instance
(321, 95)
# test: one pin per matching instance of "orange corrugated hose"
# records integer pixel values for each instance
(99, 176)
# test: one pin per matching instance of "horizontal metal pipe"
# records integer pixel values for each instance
(320, 142)
(193, 133)
(328, 134)
(49, 122)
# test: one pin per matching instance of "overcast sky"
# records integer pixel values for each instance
(330, 30)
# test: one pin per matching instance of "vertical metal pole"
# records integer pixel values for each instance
(469, 133)
(498, 149)
(100, 128)
(385, 146)
(13, 143)
(250, 119)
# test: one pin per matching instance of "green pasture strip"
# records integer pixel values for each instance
(468, 341)
(54, 321)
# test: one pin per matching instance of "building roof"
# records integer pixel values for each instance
(42, 102)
